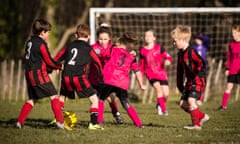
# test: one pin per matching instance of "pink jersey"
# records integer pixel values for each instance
(104, 56)
(151, 62)
(233, 58)
(116, 70)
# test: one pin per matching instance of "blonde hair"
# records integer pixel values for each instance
(236, 27)
(82, 31)
(182, 32)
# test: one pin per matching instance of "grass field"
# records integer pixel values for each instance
(223, 128)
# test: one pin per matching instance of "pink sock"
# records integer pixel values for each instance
(113, 106)
(26, 109)
(57, 110)
(100, 111)
(134, 116)
(225, 99)
(162, 103)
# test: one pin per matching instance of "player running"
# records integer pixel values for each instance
(116, 75)
(191, 65)
(153, 59)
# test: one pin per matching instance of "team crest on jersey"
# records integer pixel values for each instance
(97, 51)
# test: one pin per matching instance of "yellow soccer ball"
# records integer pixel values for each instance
(70, 118)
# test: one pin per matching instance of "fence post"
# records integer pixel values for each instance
(206, 94)
(19, 74)
(11, 80)
(4, 76)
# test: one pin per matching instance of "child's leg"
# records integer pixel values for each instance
(226, 95)
(160, 98)
(195, 113)
(62, 101)
(26, 109)
(94, 109)
(130, 110)
(55, 104)
(113, 104)
(100, 111)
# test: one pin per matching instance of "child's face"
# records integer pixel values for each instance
(198, 41)
(44, 35)
(103, 39)
(236, 35)
(180, 43)
(149, 37)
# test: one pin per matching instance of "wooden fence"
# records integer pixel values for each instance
(13, 83)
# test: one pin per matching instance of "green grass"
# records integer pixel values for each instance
(223, 128)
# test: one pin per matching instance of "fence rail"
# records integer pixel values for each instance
(13, 83)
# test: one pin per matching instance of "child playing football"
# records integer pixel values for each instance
(76, 56)
(39, 85)
(201, 43)
(153, 59)
(191, 65)
(232, 66)
(116, 75)
(103, 49)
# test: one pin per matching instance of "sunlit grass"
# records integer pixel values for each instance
(222, 128)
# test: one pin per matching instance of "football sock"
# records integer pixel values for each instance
(134, 116)
(201, 114)
(94, 115)
(114, 108)
(61, 105)
(195, 116)
(100, 111)
(225, 99)
(26, 109)
(57, 110)
(162, 103)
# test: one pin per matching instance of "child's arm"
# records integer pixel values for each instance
(97, 63)
(48, 59)
(180, 72)
(228, 61)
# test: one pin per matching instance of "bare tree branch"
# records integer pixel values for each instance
(72, 29)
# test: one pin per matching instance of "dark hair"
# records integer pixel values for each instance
(153, 31)
(82, 31)
(130, 40)
(104, 29)
(40, 25)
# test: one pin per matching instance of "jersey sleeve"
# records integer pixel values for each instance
(61, 55)
(135, 66)
(180, 72)
(200, 64)
(228, 58)
(141, 63)
(97, 63)
(48, 59)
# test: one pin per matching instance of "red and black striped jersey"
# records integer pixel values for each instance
(77, 55)
(190, 64)
(37, 59)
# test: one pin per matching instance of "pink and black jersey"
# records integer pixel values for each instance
(116, 70)
(151, 62)
(37, 59)
(104, 55)
(190, 64)
(233, 58)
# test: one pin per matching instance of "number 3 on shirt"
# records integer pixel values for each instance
(28, 52)
(72, 61)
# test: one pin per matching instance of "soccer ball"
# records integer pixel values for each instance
(70, 118)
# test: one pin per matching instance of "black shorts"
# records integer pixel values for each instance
(234, 79)
(106, 90)
(162, 82)
(192, 94)
(85, 93)
(41, 91)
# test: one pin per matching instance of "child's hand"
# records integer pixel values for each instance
(143, 87)
(226, 72)
(167, 62)
(133, 53)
